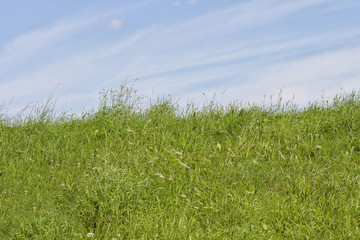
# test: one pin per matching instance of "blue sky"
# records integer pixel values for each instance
(189, 49)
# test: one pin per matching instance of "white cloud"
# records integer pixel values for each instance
(283, 45)
(250, 66)
(72, 71)
(192, 1)
(116, 24)
(305, 79)
(241, 16)
(31, 42)
(28, 44)
(341, 5)
(323, 67)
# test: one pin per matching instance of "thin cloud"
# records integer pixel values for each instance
(305, 79)
(116, 24)
(282, 45)
(341, 5)
(250, 65)
(192, 1)
(70, 71)
(325, 67)
(29, 43)
(183, 36)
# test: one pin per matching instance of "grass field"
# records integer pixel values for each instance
(161, 172)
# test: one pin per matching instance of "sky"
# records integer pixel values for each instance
(188, 50)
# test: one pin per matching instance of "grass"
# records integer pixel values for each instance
(122, 172)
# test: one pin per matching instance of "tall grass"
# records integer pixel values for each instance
(126, 171)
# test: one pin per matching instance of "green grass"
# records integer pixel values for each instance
(159, 172)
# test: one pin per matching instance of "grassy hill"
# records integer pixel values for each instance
(122, 172)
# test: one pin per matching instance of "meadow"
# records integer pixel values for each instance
(124, 171)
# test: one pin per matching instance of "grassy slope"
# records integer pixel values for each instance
(211, 174)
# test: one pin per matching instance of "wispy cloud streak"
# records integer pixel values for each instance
(248, 47)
